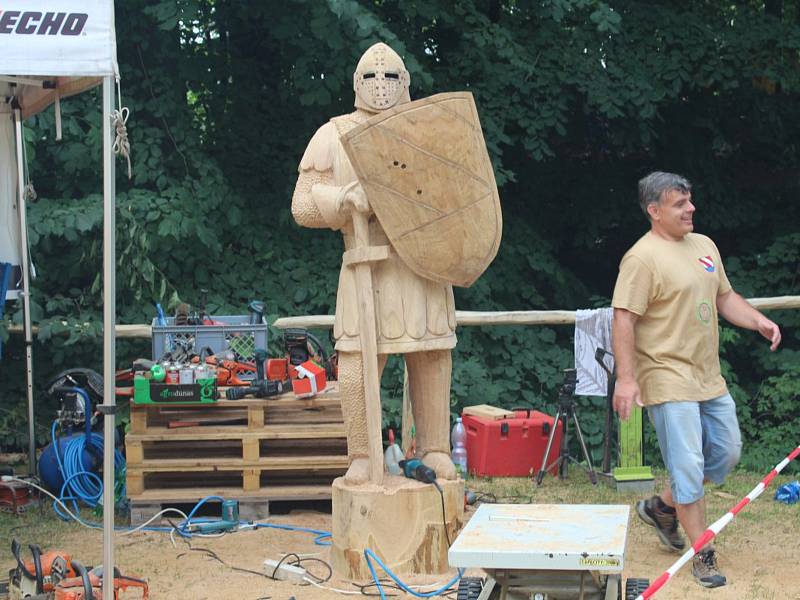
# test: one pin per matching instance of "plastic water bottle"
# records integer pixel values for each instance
(458, 437)
(393, 456)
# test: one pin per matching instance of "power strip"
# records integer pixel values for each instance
(285, 571)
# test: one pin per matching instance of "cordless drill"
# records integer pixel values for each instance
(413, 468)
(261, 388)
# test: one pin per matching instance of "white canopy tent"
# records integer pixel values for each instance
(48, 51)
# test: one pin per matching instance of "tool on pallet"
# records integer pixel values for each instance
(300, 346)
(261, 387)
(228, 372)
(256, 311)
(192, 379)
(184, 315)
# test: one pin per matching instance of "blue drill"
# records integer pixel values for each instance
(228, 522)
(413, 468)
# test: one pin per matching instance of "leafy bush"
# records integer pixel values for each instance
(577, 101)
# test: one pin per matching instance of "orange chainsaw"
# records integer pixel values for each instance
(38, 576)
(88, 585)
(230, 372)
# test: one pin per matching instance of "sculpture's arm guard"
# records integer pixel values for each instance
(316, 201)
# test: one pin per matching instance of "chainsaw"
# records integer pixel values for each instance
(230, 372)
(53, 575)
(88, 585)
(36, 578)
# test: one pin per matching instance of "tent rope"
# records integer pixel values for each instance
(122, 145)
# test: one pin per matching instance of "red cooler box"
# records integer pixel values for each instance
(511, 447)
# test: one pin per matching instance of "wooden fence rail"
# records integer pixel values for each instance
(463, 318)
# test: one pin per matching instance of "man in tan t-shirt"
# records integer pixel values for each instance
(670, 288)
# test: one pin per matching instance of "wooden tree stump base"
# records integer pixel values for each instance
(401, 521)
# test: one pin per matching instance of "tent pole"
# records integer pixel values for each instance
(109, 348)
(26, 288)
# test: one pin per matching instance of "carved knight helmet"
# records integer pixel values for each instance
(380, 79)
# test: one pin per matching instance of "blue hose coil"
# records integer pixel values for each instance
(80, 483)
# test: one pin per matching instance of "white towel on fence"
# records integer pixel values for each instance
(592, 331)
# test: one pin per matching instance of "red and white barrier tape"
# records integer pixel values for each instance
(716, 527)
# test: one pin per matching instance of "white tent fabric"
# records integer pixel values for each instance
(51, 49)
(58, 37)
(9, 217)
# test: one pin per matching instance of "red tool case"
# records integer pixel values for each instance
(511, 447)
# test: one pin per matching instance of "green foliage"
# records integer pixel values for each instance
(577, 99)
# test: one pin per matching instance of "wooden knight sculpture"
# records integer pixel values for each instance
(428, 221)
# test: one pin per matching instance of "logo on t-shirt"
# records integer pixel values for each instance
(707, 262)
(704, 311)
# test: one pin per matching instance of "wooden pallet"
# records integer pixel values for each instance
(285, 409)
(277, 448)
(253, 506)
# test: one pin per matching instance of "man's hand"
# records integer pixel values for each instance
(626, 390)
(770, 331)
(352, 198)
(626, 393)
(739, 312)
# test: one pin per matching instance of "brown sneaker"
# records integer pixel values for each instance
(705, 570)
(665, 524)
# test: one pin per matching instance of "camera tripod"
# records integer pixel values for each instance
(565, 412)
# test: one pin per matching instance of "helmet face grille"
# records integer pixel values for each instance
(381, 90)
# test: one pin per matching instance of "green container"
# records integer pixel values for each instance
(147, 391)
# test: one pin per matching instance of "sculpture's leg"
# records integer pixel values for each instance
(351, 389)
(429, 379)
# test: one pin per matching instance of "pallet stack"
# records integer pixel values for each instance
(254, 451)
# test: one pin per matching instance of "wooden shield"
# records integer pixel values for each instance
(428, 178)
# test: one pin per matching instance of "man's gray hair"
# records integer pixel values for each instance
(656, 183)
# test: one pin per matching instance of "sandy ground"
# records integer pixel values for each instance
(758, 552)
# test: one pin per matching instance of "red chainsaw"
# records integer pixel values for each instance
(53, 575)
(88, 585)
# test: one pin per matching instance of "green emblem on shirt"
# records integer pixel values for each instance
(704, 311)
